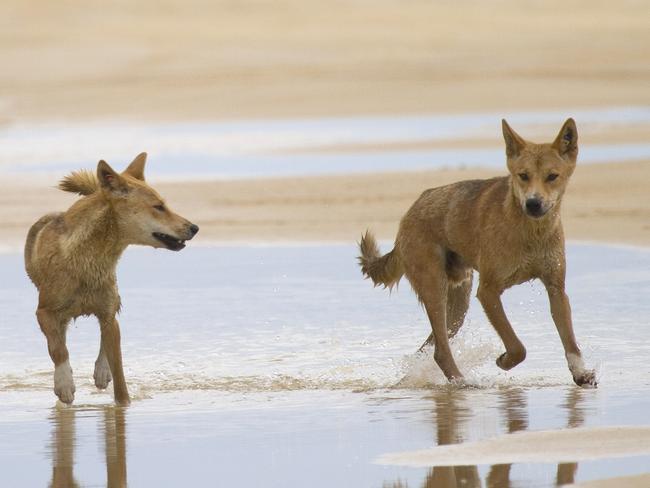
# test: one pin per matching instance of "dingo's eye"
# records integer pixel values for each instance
(523, 176)
(552, 177)
(160, 208)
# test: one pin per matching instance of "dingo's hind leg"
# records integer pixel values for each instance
(110, 330)
(425, 269)
(458, 296)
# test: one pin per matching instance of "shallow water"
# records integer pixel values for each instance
(282, 148)
(278, 365)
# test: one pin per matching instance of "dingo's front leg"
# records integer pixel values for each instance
(425, 269)
(561, 313)
(515, 353)
(54, 329)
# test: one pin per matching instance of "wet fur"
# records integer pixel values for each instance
(72, 256)
(487, 226)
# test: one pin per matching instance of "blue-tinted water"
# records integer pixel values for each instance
(287, 148)
(276, 365)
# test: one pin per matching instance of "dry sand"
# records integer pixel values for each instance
(203, 59)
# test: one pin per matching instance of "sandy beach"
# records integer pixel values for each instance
(605, 202)
(203, 60)
(260, 345)
(259, 59)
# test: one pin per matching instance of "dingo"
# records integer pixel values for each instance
(71, 258)
(507, 228)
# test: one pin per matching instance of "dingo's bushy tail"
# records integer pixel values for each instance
(382, 270)
(82, 182)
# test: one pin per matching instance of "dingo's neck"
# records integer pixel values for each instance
(92, 237)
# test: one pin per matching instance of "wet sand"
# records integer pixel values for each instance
(604, 202)
(639, 481)
(551, 446)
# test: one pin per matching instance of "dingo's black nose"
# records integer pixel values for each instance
(194, 229)
(534, 206)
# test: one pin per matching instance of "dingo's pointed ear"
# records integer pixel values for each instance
(136, 168)
(108, 178)
(566, 141)
(514, 142)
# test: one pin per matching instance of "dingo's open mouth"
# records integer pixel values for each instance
(172, 243)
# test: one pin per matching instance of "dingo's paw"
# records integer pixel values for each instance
(508, 361)
(63, 383)
(587, 379)
(458, 382)
(102, 374)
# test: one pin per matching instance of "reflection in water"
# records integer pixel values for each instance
(566, 472)
(512, 403)
(64, 442)
(451, 412)
(115, 442)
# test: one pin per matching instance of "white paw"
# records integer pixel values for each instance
(63, 382)
(102, 374)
